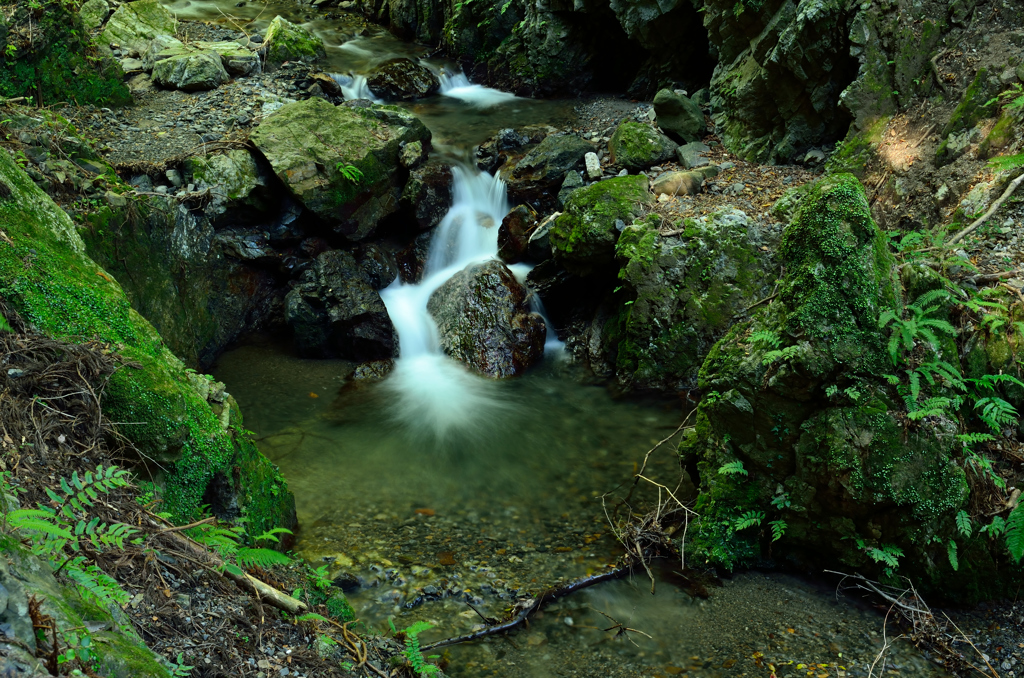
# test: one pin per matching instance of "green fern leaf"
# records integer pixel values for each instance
(951, 552)
(963, 523)
(1015, 533)
(261, 558)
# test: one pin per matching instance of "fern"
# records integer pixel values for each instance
(951, 551)
(886, 555)
(765, 339)
(785, 354)
(995, 528)
(96, 583)
(996, 412)
(963, 523)
(918, 326)
(778, 529)
(733, 468)
(350, 172)
(1015, 533)
(748, 519)
(261, 558)
(412, 649)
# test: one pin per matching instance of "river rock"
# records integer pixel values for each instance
(192, 72)
(413, 258)
(428, 194)
(513, 233)
(572, 181)
(335, 312)
(234, 180)
(94, 13)
(308, 144)
(539, 245)
(484, 321)
(285, 41)
(677, 183)
(545, 166)
(583, 237)
(402, 79)
(135, 24)
(593, 166)
(237, 60)
(378, 266)
(679, 117)
(693, 154)
(636, 146)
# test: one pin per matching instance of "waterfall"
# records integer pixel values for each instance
(354, 87)
(458, 86)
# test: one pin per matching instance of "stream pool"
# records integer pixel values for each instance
(440, 496)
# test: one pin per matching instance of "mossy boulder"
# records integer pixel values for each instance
(583, 238)
(191, 72)
(679, 116)
(484, 321)
(636, 146)
(48, 278)
(235, 180)
(94, 13)
(680, 294)
(342, 163)
(285, 41)
(796, 395)
(236, 60)
(135, 24)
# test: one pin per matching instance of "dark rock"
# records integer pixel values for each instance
(376, 370)
(539, 244)
(545, 166)
(484, 321)
(413, 258)
(572, 181)
(247, 244)
(428, 194)
(402, 79)
(513, 233)
(379, 267)
(679, 117)
(334, 311)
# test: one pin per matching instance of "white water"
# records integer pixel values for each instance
(458, 86)
(354, 87)
(433, 394)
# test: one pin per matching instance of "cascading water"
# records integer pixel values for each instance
(354, 87)
(458, 86)
(433, 394)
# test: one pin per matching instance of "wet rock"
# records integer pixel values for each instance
(233, 179)
(341, 162)
(412, 154)
(677, 183)
(545, 166)
(412, 260)
(94, 13)
(402, 79)
(379, 268)
(428, 194)
(583, 237)
(334, 311)
(513, 233)
(484, 321)
(365, 373)
(572, 181)
(192, 72)
(693, 155)
(247, 245)
(636, 146)
(679, 117)
(135, 24)
(285, 41)
(539, 245)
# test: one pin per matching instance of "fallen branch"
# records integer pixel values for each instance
(988, 214)
(991, 277)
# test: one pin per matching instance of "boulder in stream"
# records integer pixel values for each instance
(341, 162)
(484, 321)
(335, 312)
(427, 195)
(285, 41)
(513, 234)
(402, 79)
(543, 168)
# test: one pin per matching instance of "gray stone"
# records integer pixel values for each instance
(679, 117)
(115, 199)
(135, 24)
(284, 41)
(692, 155)
(193, 72)
(129, 64)
(539, 245)
(174, 176)
(677, 183)
(593, 166)
(94, 13)
(814, 157)
(573, 180)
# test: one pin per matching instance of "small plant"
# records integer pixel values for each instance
(412, 649)
(963, 523)
(178, 667)
(748, 519)
(1014, 532)
(350, 172)
(778, 529)
(918, 326)
(733, 468)
(226, 542)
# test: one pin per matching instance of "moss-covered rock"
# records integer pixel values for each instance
(402, 79)
(94, 13)
(192, 72)
(679, 116)
(234, 179)
(583, 238)
(285, 41)
(135, 24)
(796, 395)
(342, 163)
(47, 276)
(637, 147)
(680, 295)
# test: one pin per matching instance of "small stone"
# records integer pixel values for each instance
(692, 155)
(115, 199)
(726, 166)
(623, 173)
(174, 176)
(15, 373)
(593, 166)
(677, 183)
(814, 157)
(161, 189)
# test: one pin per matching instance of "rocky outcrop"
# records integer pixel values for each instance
(341, 162)
(94, 13)
(135, 24)
(401, 80)
(583, 238)
(679, 117)
(334, 311)
(680, 294)
(636, 147)
(285, 41)
(484, 321)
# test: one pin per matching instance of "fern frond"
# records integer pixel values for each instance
(263, 558)
(963, 523)
(1015, 533)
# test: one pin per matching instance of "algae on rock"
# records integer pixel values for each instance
(47, 277)
(285, 41)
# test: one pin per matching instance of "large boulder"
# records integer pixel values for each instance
(402, 79)
(636, 146)
(191, 72)
(679, 116)
(94, 13)
(135, 24)
(680, 294)
(484, 321)
(797, 396)
(583, 238)
(341, 162)
(285, 41)
(237, 60)
(334, 311)
(544, 167)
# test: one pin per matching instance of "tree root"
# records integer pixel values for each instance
(988, 213)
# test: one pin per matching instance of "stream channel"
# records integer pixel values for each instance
(436, 490)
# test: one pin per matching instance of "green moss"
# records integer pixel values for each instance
(61, 64)
(636, 146)
(338, 607)
(1000, 137)
(287, 42)
(974, 105)
(858, 150)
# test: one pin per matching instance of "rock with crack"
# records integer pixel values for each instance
(484, 321)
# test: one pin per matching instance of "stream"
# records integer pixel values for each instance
(441, 496)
